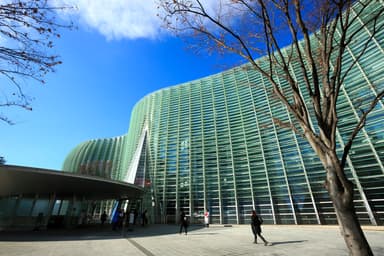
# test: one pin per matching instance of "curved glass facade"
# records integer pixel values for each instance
(212, 144)
(100, 157)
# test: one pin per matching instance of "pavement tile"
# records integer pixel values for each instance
(164, 240)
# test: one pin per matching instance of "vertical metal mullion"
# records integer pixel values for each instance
(165, 202)
(282, 162)
(202, 142)
(231, 147)
(154, 181)
(216, 145)
(191, 205)
(177, 148)
(301, 156)
(262, 150)
(245, 144)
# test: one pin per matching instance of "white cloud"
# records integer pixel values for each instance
(117, 19)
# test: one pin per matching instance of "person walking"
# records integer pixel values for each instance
(183, 222)
(144, 218)
(120, 219)
(103, 218)
(256, 222)
(206, 218)
(39, 222)
(136, 213)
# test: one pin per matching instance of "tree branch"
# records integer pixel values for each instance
(358, 127)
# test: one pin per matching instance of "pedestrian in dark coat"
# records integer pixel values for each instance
(256, 222)
(103, 218)
(144, 218)
(183, 222)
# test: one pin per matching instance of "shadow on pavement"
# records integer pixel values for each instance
(204, 234)
(289, 242)
(161, 229)
(80, 233)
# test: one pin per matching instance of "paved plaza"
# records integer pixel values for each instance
(164, 240)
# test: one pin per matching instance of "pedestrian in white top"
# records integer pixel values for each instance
(206, 218)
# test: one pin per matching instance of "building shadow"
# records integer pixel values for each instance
(92, 232)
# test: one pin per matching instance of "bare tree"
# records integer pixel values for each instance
(27, 31)
(313, 34)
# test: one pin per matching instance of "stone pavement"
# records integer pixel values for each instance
(164, 240)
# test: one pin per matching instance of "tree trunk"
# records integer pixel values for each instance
(340, 190)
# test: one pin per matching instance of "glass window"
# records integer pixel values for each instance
(24, 207)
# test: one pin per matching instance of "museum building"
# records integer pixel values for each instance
(212, 144)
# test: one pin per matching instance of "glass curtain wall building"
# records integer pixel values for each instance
(212, 144)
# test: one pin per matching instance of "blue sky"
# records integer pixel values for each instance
(112, 60)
